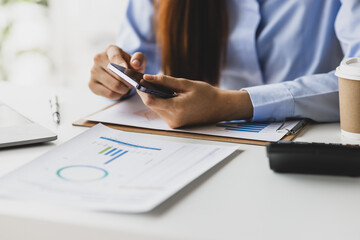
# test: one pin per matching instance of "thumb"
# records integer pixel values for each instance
(138, 62)
(177, 84)
(118, 56)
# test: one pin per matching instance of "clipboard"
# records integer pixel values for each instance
(290, 135)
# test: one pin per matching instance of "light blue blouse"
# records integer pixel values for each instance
(283, 53)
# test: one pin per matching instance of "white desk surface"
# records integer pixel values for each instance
(240, 199)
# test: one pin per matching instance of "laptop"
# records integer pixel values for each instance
(15, 129)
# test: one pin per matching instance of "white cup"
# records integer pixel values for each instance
(348, 74)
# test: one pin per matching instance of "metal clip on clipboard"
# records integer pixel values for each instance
(295, 129)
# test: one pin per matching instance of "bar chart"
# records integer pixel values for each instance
(116, 152)
(129, 144)
(244, 127)
(113, 152)
(103, 154)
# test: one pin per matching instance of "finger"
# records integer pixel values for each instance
(118, 56)
(110, 82)
(177, 84)
(101, 59)
(170, 117)
(115, 76)
(149, 100)
(156, 102)
(138, 62)
(100, 70)
(101, 90)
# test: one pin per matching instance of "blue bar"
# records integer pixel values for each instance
(242, 130)
(110, 151)
(236, 121)
(248, 127)
(262, 126)
(116, 152)
(252, 125)
(116, 157)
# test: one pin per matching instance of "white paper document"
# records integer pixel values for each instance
(112, 170)
(133, 112)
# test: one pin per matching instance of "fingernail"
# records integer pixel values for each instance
(135, 63)
(148, 77)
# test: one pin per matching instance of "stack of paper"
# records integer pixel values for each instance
(133, 112)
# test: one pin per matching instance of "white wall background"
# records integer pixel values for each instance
(82, 28)
(70, 32)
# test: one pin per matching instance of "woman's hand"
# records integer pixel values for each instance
(103, 82)
(197, 102)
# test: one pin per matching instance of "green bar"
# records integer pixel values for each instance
(104, 150)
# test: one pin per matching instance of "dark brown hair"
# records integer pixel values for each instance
(192, 35)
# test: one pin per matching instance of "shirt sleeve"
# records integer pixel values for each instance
(137, 33)
(313, 96)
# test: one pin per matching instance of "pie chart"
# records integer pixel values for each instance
(81, 173)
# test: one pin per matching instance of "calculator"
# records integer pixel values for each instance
(314, 158)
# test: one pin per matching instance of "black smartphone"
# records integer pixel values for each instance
(136, 80)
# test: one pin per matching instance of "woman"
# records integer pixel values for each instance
(262, 60)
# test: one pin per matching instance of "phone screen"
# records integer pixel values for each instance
(136, 80)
